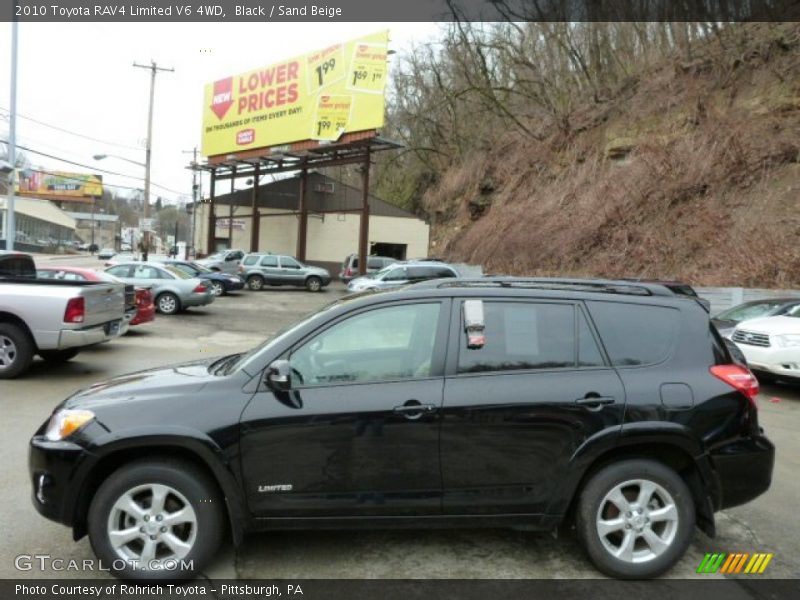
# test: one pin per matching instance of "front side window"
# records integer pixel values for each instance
(289, 263)
(145, 272)
(391, 343)
(522, 336)
(250, 260)
(121, 271)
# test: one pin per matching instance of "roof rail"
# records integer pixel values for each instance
(578, 285)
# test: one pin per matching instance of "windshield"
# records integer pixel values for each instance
(751, 311)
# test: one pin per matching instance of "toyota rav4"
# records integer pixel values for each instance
(612, 406)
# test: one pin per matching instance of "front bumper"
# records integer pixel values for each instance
(744, 470)
(96, 334)
(233, 285)
(775, 360)
(53, 467)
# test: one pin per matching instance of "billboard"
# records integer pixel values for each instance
(318, 96)
(58, 185)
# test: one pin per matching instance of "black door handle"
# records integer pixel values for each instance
(592, 400)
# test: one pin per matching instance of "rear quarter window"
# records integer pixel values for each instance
(636, 334)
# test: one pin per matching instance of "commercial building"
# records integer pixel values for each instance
(333, 222)
(40, 225)
(97, 228)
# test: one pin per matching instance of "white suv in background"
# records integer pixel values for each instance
(771, 345)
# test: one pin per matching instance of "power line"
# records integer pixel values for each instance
(75, 133)
(93, 168)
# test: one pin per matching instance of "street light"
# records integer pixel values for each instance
(145, 241)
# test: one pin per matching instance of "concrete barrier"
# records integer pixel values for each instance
(723, 298)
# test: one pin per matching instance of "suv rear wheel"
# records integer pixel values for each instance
(635, 519)
(156, 519)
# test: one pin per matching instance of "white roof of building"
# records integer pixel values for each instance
(40, 209)
(96, 217)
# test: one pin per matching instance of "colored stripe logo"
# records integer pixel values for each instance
(734, 563)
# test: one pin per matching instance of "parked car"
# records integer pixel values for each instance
(54, 319)
(258, 270)
(398, 274)
(374, 264)
(576, 403)
(226, 261)
(221, 283)
(173, 289)
(727, 320)
(106, 253)
(139, 307)
(771, 345)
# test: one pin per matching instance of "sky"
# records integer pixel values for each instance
(80, 77)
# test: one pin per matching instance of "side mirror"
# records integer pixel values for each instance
(279, 376)
(474, 324)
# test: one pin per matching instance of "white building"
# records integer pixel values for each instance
(333, 222)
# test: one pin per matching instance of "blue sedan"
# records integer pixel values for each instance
(221, 283)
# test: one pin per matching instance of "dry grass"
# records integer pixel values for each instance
(708, 192)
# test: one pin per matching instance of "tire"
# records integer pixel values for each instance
(59, 356)
(16, 350)
(168, 303)
(217, 288)
(255, 282)
(313, 284)
(653, 545)
(124, 502)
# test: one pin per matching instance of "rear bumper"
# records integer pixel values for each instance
(197, 299)
(76, 338)
(144, 315)
(743, 469)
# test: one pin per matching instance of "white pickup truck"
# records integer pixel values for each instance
(52, 318)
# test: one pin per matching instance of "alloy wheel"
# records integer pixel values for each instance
(152, 522)
(217, 288)
(167, 304)
(637, 521)
(8, 352)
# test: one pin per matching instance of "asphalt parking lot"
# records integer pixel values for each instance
(236, 323)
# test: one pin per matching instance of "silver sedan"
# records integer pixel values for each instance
(173, 290)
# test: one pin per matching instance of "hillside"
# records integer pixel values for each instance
(688, 170)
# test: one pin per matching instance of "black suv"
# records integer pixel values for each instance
(489, 402)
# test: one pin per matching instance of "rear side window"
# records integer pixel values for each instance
(635, 334)
(522, 336)
(269, 261)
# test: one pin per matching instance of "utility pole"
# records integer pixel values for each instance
(11, 227)
(154, 68)
(190, 250)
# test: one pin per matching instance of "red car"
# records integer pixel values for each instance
(139, 299)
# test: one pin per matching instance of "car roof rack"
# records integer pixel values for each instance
(606, 286)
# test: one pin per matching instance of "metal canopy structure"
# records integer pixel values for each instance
(351, 148)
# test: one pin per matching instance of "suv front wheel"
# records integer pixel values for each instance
(156, 519)
(635, 519)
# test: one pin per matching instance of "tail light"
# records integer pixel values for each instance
(348, 272)
(200, 289)
(739, 378)
(75, 311)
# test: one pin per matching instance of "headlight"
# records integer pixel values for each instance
(788, 340)
(66, 422)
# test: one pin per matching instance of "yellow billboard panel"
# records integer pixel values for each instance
(318, 96)
(58, 185)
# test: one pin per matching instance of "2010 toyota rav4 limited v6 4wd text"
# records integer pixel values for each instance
(493, 402)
